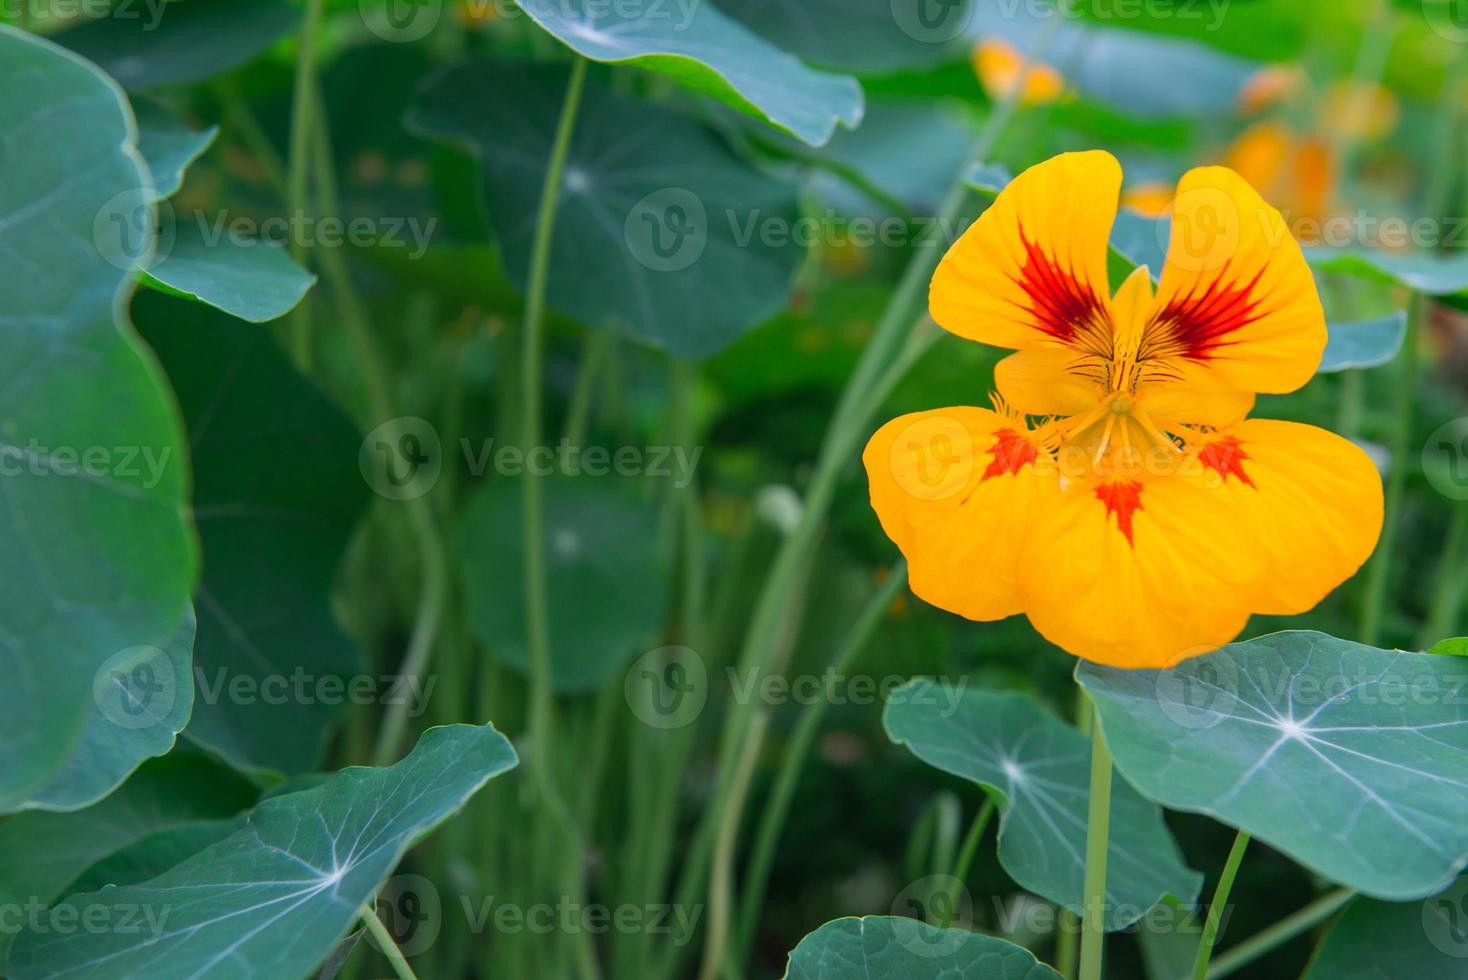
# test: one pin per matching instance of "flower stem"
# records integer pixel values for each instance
(1098, 826)
(303, 120)
(966, 857)
(1378, 573)
(1219, 904)
(386, 944)
(1281, 932)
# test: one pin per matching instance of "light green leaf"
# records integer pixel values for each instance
(605, 574)
(661, 231)
(1038, 770)
(1435, 275)
(1351, 760)
(870, 37)
(711, 53)
(168, 145)
(879, 947)
(1456, 646)
(139, 708)
(181, 43)
(1376, 940)
(272, 899)
(1369, 343)
(277, 491)
(98, 557)
(42, 854)
(253, 280)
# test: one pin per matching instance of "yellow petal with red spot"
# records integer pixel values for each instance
(1134, 572)
(1236, 296)
(1303, 502)
(1031, 270)
(956, 489)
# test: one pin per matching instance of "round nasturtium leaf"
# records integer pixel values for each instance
(709, 52)
(274, 897)
(96, 554)
(1038, 768)
(879, 947)
(869, 37)
(1375, 940)
(661, 231)
(605, 575)
(1351, 760)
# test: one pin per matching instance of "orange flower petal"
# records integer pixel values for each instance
(956, 489)
(1031, 271)
(1236, 296)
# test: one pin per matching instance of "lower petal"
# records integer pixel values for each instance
(955, 489)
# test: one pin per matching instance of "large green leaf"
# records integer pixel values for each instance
(1426, 272)
(1038, 769)
(277, 494)
(272, 899)
(650, 235)
(180, 43)
(711, 53)
(1369, 343)
(42, 854)
(1375, 940)
(141, 704)
(96, 554)
(247, 278)
(168, 145)
(1351, 760)
(878, 947)
(605, 574)
(866, 36)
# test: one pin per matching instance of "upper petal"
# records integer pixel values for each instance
(1236, 296)
(956, 489)
(1032, 269)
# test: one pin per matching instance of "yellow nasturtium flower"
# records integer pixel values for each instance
(1116, 494)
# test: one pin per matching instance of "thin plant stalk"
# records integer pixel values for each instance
(1286, 929)
(1098, 826)
(1219, 904)
(303, 120)
(966, 858)
(386, 944)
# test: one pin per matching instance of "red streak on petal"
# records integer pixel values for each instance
(1011, 451)
(1122, 498)
(1200, 322)
(1062, 304)
(1226, 457)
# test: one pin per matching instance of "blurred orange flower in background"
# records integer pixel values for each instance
(998, 65)
(1117, 494)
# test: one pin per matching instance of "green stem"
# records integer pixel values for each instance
(1379, 571)
(777, 807)
(1067, 944)
(966, 857)
(1447, 594)
(1281, 932)
(1219, 904)
(578, 414)
(303, 103)
(721, 888)
(386, 944)
(1098, 825)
